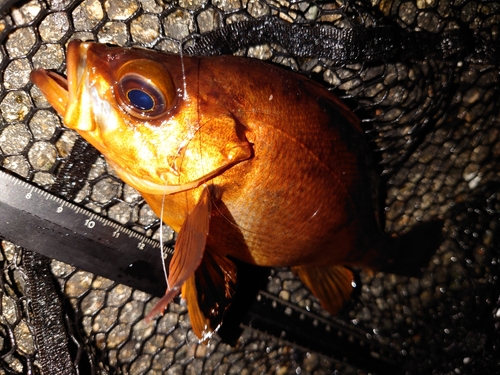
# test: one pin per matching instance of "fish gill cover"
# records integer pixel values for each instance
(430, 108)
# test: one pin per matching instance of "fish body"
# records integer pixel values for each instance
(249, 161)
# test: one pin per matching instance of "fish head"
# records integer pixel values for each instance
(135, 107)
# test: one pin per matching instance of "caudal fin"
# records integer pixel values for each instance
(412, 251)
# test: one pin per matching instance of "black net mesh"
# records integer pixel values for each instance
(430, 108)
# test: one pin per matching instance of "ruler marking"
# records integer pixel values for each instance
(38, 195)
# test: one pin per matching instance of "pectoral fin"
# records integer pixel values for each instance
(332, 285)
(188, 251)
(209, 292)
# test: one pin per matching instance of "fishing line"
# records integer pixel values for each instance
(161, 242)
(184, 94)
(199, 130)
(163, 258)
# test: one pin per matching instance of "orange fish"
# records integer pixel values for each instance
(250, 162)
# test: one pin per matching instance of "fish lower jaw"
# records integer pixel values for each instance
(149, 187)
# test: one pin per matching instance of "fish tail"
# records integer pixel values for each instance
(412, 251)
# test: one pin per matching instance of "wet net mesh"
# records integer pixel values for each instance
(430, 109)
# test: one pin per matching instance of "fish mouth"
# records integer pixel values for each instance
(53, 87)
(59, 91)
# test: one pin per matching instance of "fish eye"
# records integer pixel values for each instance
(144, 90)
(141, 100)
(140, 97)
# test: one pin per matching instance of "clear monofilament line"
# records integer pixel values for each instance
(161, 242)
(184, 94)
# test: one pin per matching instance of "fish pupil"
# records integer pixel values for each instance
(141, 100)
